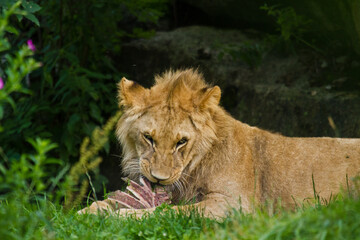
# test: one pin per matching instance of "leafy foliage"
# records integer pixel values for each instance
(15, 66)
(291, 26)
(52, 109)
(89, 160)
(27, 177)
(29, 9)
(74, 91)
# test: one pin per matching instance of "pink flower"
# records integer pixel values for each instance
(31, 45)
(1, 83)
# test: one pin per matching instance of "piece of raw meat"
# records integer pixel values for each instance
(140, 196)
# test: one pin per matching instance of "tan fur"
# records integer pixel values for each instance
(225, 163)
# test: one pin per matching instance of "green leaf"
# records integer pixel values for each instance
(4, 45)
(5, 3)
(107, 147)
(32, 142)
(30, 7)
(69, 142)
(53, 161)
(11, 102)
(73, 121)
(92, 74)
(19, 17)
(95, 112)
(1, 112)
(11, 29)
(32, 18)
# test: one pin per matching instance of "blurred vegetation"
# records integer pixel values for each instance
(75, 89)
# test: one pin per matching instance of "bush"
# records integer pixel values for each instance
(74, 91)
(57, 85)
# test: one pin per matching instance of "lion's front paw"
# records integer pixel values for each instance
(96, 208)
(137, 213)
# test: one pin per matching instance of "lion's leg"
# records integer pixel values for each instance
(214, 206)
(204, 207)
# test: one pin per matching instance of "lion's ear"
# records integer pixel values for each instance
(208, 97)
(131, 94)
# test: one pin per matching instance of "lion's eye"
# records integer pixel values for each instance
(181, 142)
(148, 138)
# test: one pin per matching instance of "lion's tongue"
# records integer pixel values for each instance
(139, 196)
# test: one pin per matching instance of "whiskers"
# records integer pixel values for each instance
(185, 176)
(131, 167)
(178, 189)
(179, 186)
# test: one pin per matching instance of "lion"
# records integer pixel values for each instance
(176, 134)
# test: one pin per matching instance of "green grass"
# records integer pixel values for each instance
(167, 225)
(339, 220)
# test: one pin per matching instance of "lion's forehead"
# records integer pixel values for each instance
(166, 124)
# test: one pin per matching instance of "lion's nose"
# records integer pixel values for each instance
(160, 176)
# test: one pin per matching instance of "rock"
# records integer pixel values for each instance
(259, 87)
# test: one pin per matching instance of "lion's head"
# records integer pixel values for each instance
(166, 130)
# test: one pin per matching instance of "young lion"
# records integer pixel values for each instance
(176, 134)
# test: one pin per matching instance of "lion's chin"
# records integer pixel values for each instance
(150, 178)
(154, 181)
(167, 182)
